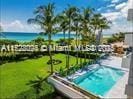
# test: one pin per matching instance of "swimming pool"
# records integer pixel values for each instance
(100, 80)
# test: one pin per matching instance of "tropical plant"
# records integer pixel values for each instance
(76, 28)
(62, 72)
(63, 22)
(99, 23)
(37, 85)
(38, 40)
(8, 42)
(47, 20)
(70, 13)
(85, 26)
(55, 62)
(85, 22)
(118, 37)
(63, 42)
(103, 25)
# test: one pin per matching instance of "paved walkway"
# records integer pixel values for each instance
(112, 61)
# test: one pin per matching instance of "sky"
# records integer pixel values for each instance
(15, 13)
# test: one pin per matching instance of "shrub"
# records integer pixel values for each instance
(111, 40)
(18, 56)
(8, 42)
(55, 62)
(88, 54)
(62, 72)
(118, 37)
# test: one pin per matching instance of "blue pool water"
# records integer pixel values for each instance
(100, 80)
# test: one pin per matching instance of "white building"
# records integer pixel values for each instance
(129, 41)
(129, 63)
(130, 10)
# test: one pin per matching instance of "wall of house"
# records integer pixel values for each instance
(129, 39)
(126, 61)
(130, 10)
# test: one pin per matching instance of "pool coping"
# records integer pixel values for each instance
(122, 69)
(70, 85)
(99, 96)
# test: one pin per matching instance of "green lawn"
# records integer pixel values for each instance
(15, 75)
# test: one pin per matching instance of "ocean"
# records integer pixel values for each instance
(24, 37)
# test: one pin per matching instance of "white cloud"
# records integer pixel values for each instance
(99, 9)
(119, 19)
(111, 5)
(115, 1)
(16, 23)
(112, 15)
(122, 10)
(108, 6)
(18, 26)
(118, 26)
(120, 6)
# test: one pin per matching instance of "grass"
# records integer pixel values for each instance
(15, 75)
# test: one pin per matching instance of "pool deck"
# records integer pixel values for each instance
(112, 61)
(118, 90)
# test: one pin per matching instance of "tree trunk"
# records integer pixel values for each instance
(77, 45)
(65, 50)
(100, 36)
(69, 43)
(85, 53)
(85, 57)
(37, 94)
(81, 53)
(64, 35)
(50, 56)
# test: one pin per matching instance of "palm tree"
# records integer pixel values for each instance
(70, 12)
(37, 85)
(76, 28)
(47, 20)
(63, 23)
(38, 41)
(118, 36)
(99, 23)
(85, 25)
(95, 22)
(104, 24)
(85, 21)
